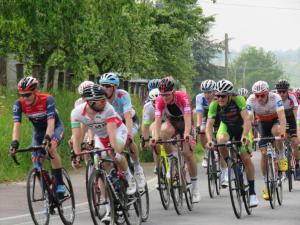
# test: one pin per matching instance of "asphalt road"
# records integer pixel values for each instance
(13, 207)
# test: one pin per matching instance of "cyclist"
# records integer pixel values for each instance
(120, 100)
(235, 124)
(243, 92)
(47, 127)
(101, 118)
(269, 112)
(148, 120)
(290, 105)
(177, 108)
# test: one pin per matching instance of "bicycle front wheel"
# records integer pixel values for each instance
(66, 207)
(271, 181)
(37, 198)
(289, 172)
(234, 188)
(211, 174)
(163, 183)
(176, 187)
(279, 189)
(145, 203)
(100, 198)
(88, 171)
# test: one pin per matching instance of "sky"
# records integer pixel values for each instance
(270, 24)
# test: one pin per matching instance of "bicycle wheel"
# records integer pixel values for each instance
(218, 172)
(245, 193)
(88, 171)
(66, 207)
(211, 174)
(133, 214)
(234, 188)
(271, 181)
(289, 172)
(100, 198)
(176, 187)
(37, 198)
(145, 203)
(279, 189)
(163, 183)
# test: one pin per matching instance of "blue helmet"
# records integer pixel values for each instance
(109, 78)
(153, 84)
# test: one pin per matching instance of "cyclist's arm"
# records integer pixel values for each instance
(76, 135)
(209, 129)
(247, 122)
(112, 130)
(16, 131)
(17, 116)
(199, 119)
(282, 120)
(145, 131)
(50, 116)
(187, 124)
(128, 123)
(50, 127)
(295, 110)
(158, 122)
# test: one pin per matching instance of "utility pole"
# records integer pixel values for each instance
(226, 54)
(244, 74)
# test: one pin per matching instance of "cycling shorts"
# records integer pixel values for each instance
(265, 130)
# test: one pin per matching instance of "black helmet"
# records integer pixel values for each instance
(282, 85)
(94, 92)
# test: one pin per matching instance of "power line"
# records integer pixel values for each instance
(251, 6)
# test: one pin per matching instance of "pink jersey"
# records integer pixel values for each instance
(181, 106)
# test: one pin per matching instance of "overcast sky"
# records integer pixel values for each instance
(271, 24)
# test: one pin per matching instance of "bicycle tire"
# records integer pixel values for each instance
(234, 189)
(218, 174)
(211, 174)
(289, 171)
(245, 193)
(88, 171)
(144, 194)
(34, 182)
(176, 189)
(279, 189)
(67, 218)
(163, 183)
(271, 181)
(94, 198)
(186, 186)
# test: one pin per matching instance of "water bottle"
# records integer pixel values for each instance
(114, 179)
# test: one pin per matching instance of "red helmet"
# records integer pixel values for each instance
(27, 84)
(166, 84)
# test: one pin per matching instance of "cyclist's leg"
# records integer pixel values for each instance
(155, 156)
(280, 148)
(167, 131)
(292, 131)
(203, 143)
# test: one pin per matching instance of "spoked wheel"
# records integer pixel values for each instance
(88, 171)
(38, 199)
(271, 182)
(218, 172)
(163, 184)
(189, 198)
(279, 188)
(66, 207)
(211, 174)
(145, 203)
(100, 199)
(186, 183)
(176, 187)
(289, 172)
(234, 188)
(246, 196)
(133, 212)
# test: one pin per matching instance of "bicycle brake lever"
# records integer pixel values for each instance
(15, 160)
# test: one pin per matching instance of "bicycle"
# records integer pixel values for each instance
(274, 176)
(179, 178)
(144, 192)
(107, 192)
(238, 186)
(213, 172)
(41, 190)
(291, 163)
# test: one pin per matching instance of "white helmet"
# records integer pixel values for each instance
(208, 85)
(224, 86)
(83, 85)
(153, 94)
(243, 92)
(260, 87)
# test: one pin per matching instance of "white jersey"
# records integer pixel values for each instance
(99, 123)
(268, 111)
(202, 104)
(148, 113)
(78, 102)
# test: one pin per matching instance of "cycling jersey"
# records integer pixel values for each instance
(148, 113)
(39, 113)
(289, 104)
(99, 123)
(268, 111)
(181, 106)
(298, 116)
(122, 103)
(202, 104)
(78, 102)
(231, 113)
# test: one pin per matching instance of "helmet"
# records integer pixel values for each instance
(153, 94)
(153, 84)
(94, 92)
(224, 86)
(27, 84)
(260, 87)
(243, 92)
(282, 85)
(83, 85)
(109, 78)
(166, 84)
(208, 85)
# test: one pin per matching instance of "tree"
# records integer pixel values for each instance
(256, 64)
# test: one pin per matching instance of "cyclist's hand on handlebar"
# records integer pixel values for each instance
(244, 140)
(210, 145)
(47, 142)
(88, 145)
(75, 160)
(13, 147)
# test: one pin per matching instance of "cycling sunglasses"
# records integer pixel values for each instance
(107, 85)
(220, 96)
(260, 95)
(26, 95)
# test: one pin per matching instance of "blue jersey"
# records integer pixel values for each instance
(122, 103)
(202, 104)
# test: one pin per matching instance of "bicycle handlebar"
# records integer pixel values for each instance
(228, 144)
(30, 149)
(268, 139)
(95, 150)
